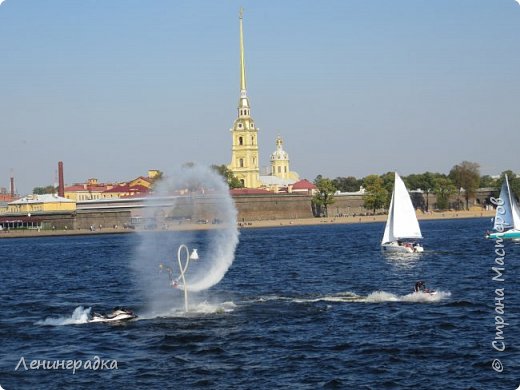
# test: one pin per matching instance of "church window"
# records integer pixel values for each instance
(243, 182)
(240, 125)
(252, 138)
(240, 141)
(241, 163)
(285, 169)
(279, 169)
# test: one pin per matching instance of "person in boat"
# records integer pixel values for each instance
(420, 286)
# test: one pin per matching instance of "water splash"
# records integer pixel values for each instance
(383, 296)
(201, 308)
(193, 207)
(80, 315)
(374, 297)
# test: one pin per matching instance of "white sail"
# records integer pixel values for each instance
(515, 211)
(508, 216)
(388, 236)
(516, 215)
(402, 221)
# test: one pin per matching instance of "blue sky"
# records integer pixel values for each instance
(116, 87)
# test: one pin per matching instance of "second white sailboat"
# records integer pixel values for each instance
(402, 224)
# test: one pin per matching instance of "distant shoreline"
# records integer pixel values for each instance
(365, 219)
(251, 224)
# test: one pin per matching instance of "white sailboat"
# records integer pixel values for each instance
(507, 217)
(402, 222)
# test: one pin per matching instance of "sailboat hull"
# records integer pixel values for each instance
(509, 235)
(407, 247)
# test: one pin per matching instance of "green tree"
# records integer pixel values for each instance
(487, 181)
(228, 176)
(466, 175)
(325, 195)
(514, 182)
(45, 190)
(424, 182)
(156, 180)
(412, 181)
(347, 184)
(376, 196)
(443, 189)
(388, 184)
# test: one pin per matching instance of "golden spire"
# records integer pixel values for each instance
(242, 62)
(243, 105)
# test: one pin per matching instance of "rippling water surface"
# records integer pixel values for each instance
(301, 307)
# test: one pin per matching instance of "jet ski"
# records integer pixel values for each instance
(117, 314)
(420, 288)
(428, 291)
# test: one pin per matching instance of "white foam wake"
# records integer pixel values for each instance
(202, 308)
(339, 297)
(383, 296)
(80, 315)
(374, 297)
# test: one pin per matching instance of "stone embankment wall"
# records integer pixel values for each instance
(347, 205)
(108, 219)
(268, 207)
(86, 219)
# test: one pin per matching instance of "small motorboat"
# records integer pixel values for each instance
(117, 314)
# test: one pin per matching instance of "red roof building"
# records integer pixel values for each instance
(126, 191)
(303, 187)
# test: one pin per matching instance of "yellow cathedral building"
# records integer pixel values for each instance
(245, 163)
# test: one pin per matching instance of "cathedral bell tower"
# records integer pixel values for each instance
(244, 153)
(280, 161)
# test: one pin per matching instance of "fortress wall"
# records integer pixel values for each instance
(106, 219)
(257, 207)
(263, 207)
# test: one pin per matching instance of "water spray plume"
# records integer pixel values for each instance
(199, 197)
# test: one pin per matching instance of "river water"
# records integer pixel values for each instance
(301, 307)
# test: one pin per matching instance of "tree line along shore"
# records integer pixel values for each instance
(456, 190)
